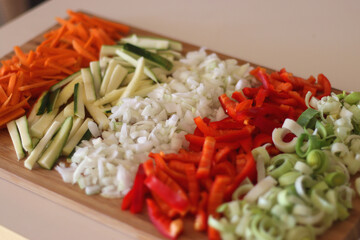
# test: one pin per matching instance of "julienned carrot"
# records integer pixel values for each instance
(12, 115)
(82, 51)
(64, 51)
(36, 85)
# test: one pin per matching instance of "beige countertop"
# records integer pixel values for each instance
(305, 37)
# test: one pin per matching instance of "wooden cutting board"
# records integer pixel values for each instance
(107, 211)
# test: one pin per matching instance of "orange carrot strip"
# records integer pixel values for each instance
(58, 67)
(83, 52)
(31, 56)
(81, 31)
(36, 85)
(16, 92)
(21, 55)
(5, 104)
(7, 109)
(3, 95)
(59, 34)
(5, 78)
(12, 83)
(11, 116)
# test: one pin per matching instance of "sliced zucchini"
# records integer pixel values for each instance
(74, 140)
(130, 89)
(39, 149)
(23, 128)
(152, 57)
(98, 115)
(43, 104)
(64, 81)
(52, 99)
(79, 109)
(117, 76)
(109, 70)
(76, 125)
(39, 128)
(127, 57)
(60, 117)
(67, 92)
(33, 117)
(114, 95)
(108, 50)
(69, 110)
(53, 151)
(16, 140)
(96, 74)
(89, 87)
(152, 42)
(146, 42)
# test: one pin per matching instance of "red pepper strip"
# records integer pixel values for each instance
(224, 168)
(261, 139)
(127, 200)
(148, 166)
(246, 144)
(221, 154)
(204, 128)
(183, 156)
(217, 192)
(244, 105)
(164, 207)
(207, 156)
(324, 82)
(178, 166)
(139, 191)
(298, 98)
(251, 92)
(266, 125)
(206, 183)
(247, 171)
(260, 97)
(307, 88)
(226, 123)
(166, 226)
(175, 198)
(288, 101)
(213, 234)
(228, 105)
(238, 96)
(160, 163)
(201, 217)
(193, 186)
(221, 141)
(261, 75)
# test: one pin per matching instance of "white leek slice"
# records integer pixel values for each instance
(277, 136)
(259, 189)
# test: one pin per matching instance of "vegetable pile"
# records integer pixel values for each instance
(64, 51)
(246, 153)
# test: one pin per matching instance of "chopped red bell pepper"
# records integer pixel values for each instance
(193, 186)
(174, 198)
(127, 200)
(138, 191)
(249, 170)
(201, 217)
(207, 156)
(217, 193)
(325, 84)
(166, 226)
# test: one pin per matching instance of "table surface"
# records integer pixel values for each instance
(305, 37)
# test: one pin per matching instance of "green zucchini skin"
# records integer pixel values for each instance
(153, 57)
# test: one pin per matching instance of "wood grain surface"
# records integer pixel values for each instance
(107, 211)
